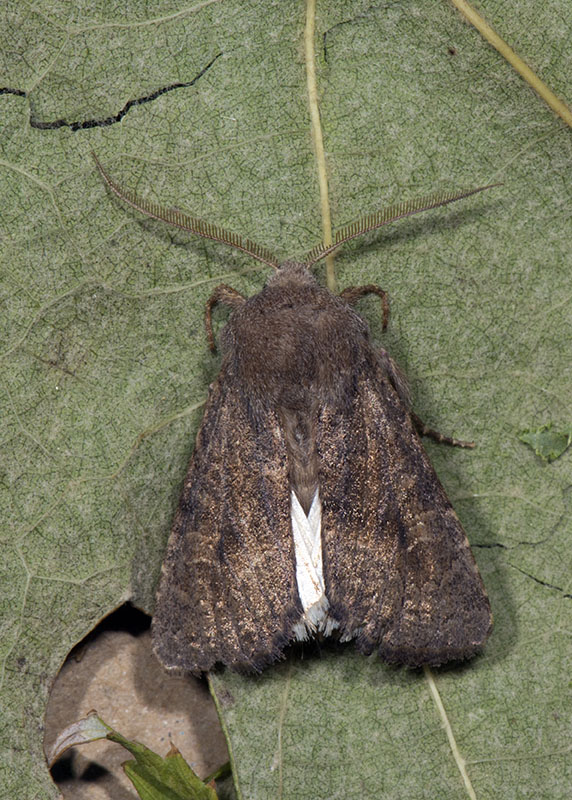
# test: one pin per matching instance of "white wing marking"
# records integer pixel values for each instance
(309, 570)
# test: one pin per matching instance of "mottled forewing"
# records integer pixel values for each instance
(399, 572)
(228, 588)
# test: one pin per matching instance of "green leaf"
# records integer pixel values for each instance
(154, 777)
(547, 443)
(87, 729)
(157, 778)
(105, 364)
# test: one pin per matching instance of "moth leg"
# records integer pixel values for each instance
(396, 377)
(423, 430)
(399, 383)
(353, 293)
(222, 294)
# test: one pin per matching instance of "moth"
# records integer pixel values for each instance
(310, 505)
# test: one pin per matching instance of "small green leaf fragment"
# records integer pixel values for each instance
(87, 729)
(545, 442)
(158, 778)
(154, 777)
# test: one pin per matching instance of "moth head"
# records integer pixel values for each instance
(292, 272)
(288, 269)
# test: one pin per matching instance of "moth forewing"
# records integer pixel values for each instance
(419, 598)
(309, 504)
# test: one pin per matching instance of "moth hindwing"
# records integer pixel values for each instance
(309, 503)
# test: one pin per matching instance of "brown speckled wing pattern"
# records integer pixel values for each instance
(399, 572)
(230, 564)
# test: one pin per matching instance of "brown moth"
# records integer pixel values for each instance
(310, 504)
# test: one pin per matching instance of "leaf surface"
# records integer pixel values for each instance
(105, 364)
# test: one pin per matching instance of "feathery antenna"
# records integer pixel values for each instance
(185, 222)
(387, 215)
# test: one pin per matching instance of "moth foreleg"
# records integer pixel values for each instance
(227, 296)
(423, 430)
(352, 293)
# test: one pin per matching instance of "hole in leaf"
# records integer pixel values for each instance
(113, 670)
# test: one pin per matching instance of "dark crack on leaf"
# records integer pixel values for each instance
(326, 34)
(8, 90)
(115, 118)
(367, 13)
(562, 520)
(541, 582)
